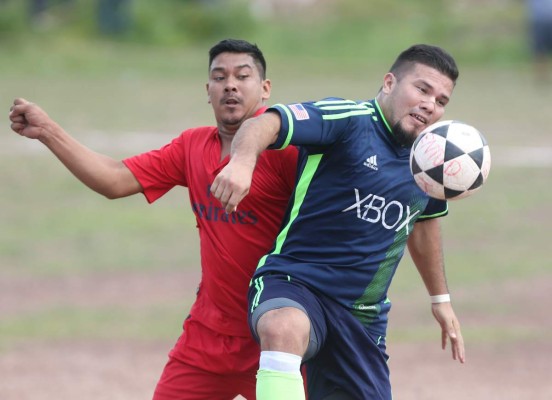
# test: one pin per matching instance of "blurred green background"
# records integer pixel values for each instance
(129, 85)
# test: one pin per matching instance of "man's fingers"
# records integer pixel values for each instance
(17, 127)
(234, 200)
(230, 207)
(223, 194)
(230, 199)
(456, 342)
(214, 187)
(20, 100)
(231, 185)
(18, 111)
(14, 112)
(18, 105)
(17, 118)
(460, 349)
(217, 188)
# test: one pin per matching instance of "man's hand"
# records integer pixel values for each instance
(450, 329)
(28, 119)
(232, 184)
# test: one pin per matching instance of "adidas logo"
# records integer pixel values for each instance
(372, 162)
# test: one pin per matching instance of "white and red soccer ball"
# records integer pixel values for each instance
(450, 160)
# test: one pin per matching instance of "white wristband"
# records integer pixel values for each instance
(440, 298)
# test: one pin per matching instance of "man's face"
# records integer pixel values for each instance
(235, 89)
(415, 100)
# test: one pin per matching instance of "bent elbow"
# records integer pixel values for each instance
(112, 192)
(111, 195)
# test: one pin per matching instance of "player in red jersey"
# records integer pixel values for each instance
(215, 357)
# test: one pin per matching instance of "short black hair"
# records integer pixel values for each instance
(432, 56)
(239, 46)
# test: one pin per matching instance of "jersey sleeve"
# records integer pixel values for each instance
(319, 123)
(434, 209)
(158, 171)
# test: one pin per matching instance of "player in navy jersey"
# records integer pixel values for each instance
(319, 297)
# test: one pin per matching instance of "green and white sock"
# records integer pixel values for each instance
(279, 377)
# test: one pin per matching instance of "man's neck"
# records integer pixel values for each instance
(226, 138)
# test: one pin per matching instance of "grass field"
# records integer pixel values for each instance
(93, 292)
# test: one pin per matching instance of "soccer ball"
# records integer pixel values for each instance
(450, 160)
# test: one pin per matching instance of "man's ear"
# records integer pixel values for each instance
(389, 80)
(267, 87)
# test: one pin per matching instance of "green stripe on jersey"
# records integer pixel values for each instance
(348, 114)
(377, 287)
(335, 102)
(290, 129)
(384, 120)
(349, 107)
(300, 192)
(344, 107)
(439, 214)
(259, 286)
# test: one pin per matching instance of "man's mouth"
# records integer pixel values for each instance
(231, 101)
(419, 118)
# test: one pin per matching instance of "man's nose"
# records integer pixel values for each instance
(230, 85)
(428, 105)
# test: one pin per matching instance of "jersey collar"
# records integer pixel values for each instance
(260, 111)
(389, 132)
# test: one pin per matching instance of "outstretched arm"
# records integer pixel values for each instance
(100, 173)
(232, 184)
(425, 247)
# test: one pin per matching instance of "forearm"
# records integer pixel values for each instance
(103, 174)
(426, 250)
(425, 247)
(100, 173)
(253, 137)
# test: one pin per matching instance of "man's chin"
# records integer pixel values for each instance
(406, 138)
(232, 117)
(232, 122)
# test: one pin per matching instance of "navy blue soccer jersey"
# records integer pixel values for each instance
(354, 205)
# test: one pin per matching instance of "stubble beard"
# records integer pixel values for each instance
(403, 137)
(233, 121)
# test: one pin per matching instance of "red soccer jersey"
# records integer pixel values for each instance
(230, 244)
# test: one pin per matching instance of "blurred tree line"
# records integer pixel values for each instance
(474, 29)
(163, 22)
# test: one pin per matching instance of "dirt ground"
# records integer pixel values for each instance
(100, 369)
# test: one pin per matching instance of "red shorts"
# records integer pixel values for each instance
(205, 364)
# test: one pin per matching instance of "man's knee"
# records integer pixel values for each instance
(284, 329)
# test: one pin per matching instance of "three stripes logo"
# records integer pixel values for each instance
(371, 162)
(259, 286)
